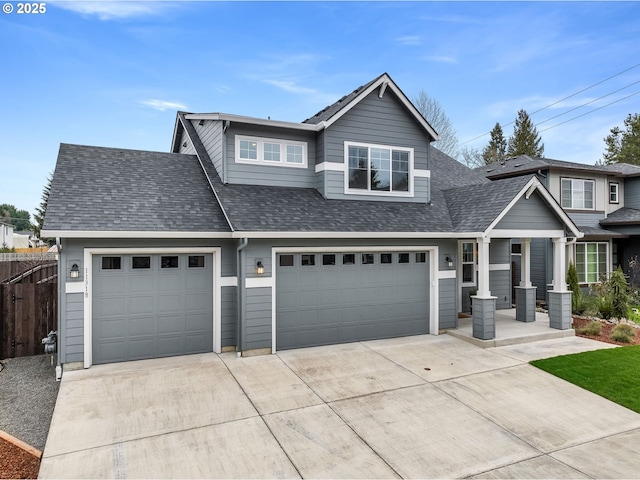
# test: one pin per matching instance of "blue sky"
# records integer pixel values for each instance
(114, 73)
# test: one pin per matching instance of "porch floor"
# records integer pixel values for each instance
(509, 331)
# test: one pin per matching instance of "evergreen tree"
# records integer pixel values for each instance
(497, 148)
(525, 139)
(42, 209)
(624, 146)
(20, 219)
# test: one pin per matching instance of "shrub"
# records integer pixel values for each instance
(592, 328)
(604, 306)
(619, 291)
(623, 333)
(634, 314)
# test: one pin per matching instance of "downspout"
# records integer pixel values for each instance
(240, 294)
(59, 308)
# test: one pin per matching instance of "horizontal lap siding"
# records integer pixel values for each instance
(185, 145)
(538, 256)
(257, 330)
(632, 193)
(210, 134)
(229, 320)
(382, 121)
(448, 314)
(531, 214)
(260, 174)
(74, 327)
(500, 285)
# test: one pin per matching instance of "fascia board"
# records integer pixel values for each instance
(316, 234)
(385, 79)
(309, 127)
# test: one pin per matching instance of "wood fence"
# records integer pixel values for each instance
(28, 308)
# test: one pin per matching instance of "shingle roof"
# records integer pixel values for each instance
(625, 169)
(525, 164)
(597, 233)
(113, 189)
(622, 216)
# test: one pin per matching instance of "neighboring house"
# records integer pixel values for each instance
(259, 235)
(604, 201)
(25, 239)
(6, 235)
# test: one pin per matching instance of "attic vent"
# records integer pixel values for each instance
(517, 165)
(490, 170)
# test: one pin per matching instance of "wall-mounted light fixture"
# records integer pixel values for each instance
(201, 122)
(449, 261)
(75, 271)
(259, 267)
(184, 144)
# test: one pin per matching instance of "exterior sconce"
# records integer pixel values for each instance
(259, 267)
(449, 261)
(75, 271)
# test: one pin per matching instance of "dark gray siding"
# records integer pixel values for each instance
(229, 310)
(266, 174)
(499, 250)
(531, 214)
(210, 133)
(448, 314)
(500, 286)
(632, 192)
(257, 328)
(541, 254)
(587, 219)
(185, 145)
(382, 121)
(74, 327)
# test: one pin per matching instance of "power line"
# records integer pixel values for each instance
(591, 111)
(562, 100)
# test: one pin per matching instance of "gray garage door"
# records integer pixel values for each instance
(326, 298)
(149, 306)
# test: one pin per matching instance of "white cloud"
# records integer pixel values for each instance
(409, 40)
(163, 105)
(441, 59)
(114, 9)
(291, 87)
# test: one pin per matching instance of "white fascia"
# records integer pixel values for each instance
(131, 234)
(309, 127)
(315, 234)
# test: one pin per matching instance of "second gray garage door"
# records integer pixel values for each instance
(328, 298)
(150, 306)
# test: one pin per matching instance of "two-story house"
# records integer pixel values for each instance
(604, 201)
(257, 235)
(6, 235)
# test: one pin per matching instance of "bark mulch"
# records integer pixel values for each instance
(16, 462)
(605, 332)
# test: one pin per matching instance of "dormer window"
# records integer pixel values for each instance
(379, 169)
(270, 151)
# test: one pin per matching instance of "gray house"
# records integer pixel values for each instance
(604, 201)
(259, 235)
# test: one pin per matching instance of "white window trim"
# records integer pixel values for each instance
(617, 189)
(475, 264)
(584, 180)
(283, 152)
(377, 193)
(608, 255)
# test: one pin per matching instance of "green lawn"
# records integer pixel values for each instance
(613, 373)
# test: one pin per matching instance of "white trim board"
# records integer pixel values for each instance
(88, 289)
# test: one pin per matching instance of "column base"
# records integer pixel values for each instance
(526, 304)
(484, 317)
(560, 310)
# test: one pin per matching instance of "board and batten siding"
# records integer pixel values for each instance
(380, 121)
(632, 192)
(271, 175)
(210, 133)
(530, 214)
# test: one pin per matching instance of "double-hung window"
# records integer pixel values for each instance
(378, 169)
(269, 151)
(614, 188)
(577, 193)
(591, 261)
(468, 257)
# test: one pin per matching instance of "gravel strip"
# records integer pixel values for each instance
(28, 392)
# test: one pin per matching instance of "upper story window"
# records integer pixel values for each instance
(269, 151)
(614, 189)
(577, 193)
(379, 169)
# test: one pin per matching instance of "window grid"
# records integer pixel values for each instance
(378, 169)
(591, 261)
(613, 192)
(577, 193)
(269, 151)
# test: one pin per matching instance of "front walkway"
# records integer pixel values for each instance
(509, 331)
(415, 407)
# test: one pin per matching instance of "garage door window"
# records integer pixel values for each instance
(308, 260)
(286, 260)
(328, 259)
(421, 257)
(196, 261)
(367, 258)
(111, 263)
(140, 263)
(169, 261)
(403, 258)
(349, 259)
(386, 258)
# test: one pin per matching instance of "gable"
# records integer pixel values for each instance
(533, 213)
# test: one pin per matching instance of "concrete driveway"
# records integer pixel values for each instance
(415, 407)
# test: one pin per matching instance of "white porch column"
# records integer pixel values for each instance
(559, 264)
(525, 262)
(483, 268)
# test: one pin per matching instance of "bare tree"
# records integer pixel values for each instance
(471, 157)
(432, 111)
